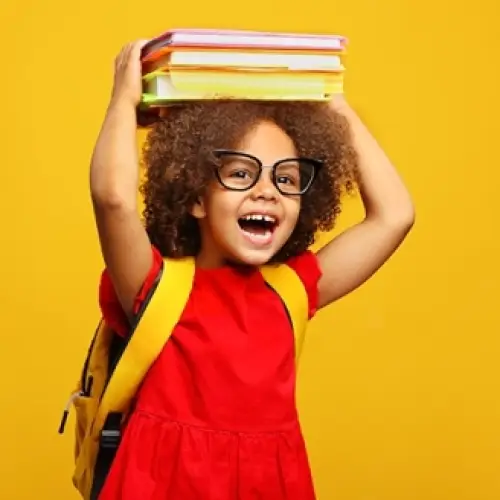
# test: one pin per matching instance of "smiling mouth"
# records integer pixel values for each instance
(258, 228)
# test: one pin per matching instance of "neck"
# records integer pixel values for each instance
(212, 260)
(209, 260)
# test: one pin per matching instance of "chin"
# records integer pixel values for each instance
(253, 259)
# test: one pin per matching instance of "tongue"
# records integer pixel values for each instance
(257, 234)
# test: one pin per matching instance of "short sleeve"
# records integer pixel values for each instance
(110, 306)
(306, 266)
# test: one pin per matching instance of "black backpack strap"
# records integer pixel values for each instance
(109, 442)
(111, 432)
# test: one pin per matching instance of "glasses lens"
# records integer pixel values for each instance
(294, 176)
(237, 171)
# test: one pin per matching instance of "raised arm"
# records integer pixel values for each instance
(114, 177)
(356, 254)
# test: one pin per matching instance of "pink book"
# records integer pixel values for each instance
(211, 38)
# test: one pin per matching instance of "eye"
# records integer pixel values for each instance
(238, 173)
(289, 174)
(238, 170)
(285, 179)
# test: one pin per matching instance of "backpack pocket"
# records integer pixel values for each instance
(85, 410)
(86, 445)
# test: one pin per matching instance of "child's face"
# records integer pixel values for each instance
(249, 226)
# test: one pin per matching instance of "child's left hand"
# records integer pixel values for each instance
(338, 102)
(355, 255)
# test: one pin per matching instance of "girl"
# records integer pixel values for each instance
(235, 184)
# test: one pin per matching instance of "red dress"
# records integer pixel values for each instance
(215, 417)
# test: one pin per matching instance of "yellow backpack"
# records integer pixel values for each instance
(115, 367)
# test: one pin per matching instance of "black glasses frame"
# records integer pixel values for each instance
(316, 164)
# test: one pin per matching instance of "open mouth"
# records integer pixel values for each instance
(258, 228)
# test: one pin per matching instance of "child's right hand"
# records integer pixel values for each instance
(114, 176)
(127, 86)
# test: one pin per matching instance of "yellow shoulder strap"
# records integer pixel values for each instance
(287, 284)
(147, 341)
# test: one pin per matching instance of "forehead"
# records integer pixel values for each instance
(268, 142)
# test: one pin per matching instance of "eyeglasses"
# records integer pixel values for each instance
(239, 171)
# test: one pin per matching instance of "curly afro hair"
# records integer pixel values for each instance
(177, 166)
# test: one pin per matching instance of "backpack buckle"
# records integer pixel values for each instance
(110, 438)
(109, 441)
(111, 432)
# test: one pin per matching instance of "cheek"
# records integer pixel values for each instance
(222, 206)
(292, 210)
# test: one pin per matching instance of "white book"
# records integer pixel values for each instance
(276, 61)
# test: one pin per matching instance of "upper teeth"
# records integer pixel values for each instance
(266, 218)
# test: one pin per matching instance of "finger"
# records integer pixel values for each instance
(122, 56)
(140, 43)
(131, 50)
(138, 46)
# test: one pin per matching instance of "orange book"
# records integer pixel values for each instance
(251, 60)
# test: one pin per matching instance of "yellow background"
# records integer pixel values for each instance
(399, 390)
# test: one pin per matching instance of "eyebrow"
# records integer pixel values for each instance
(244, 154)
(297, 158)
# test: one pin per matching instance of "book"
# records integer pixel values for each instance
(255, 61)
(160, 88)
(204, 64)
(243, 39)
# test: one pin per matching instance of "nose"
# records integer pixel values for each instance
(265, 188)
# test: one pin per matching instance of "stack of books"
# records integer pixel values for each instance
(201, 64)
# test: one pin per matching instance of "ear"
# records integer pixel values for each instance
(198, 210)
